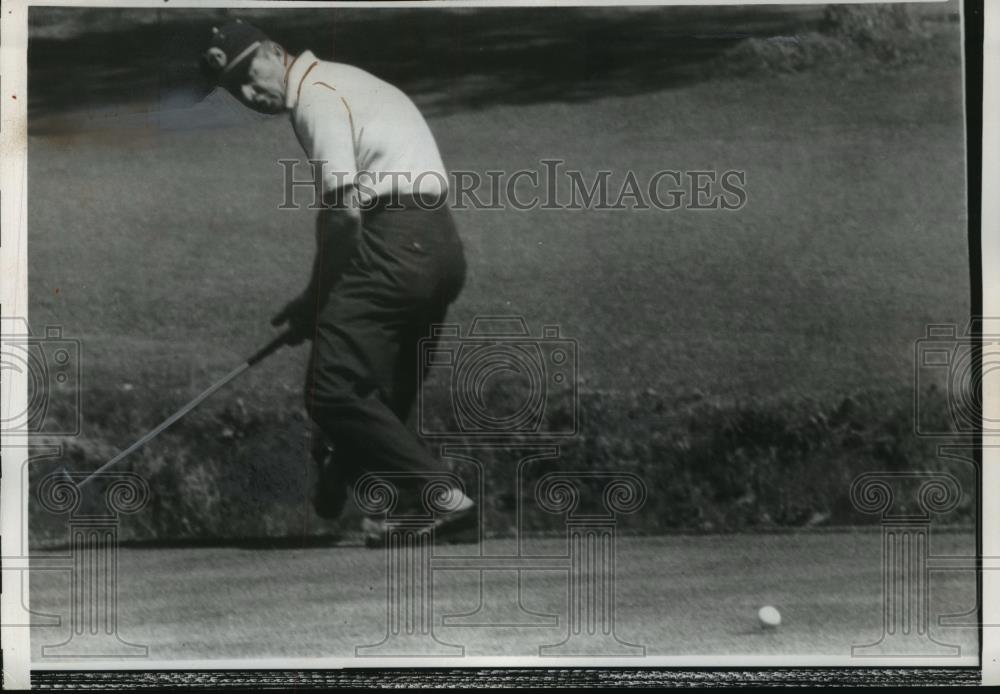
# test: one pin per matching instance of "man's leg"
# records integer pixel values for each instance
(460, 522)
(336, 472)
(410, 371)
(364, 370)
(355, 347)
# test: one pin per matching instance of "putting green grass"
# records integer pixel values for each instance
(674, 595)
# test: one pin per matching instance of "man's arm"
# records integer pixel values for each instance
(325, 128)
(338, 232)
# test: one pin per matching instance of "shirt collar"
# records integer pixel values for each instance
(296, 73)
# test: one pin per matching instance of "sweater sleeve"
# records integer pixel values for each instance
(324, 126)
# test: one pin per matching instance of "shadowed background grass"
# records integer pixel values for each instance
(717, 349)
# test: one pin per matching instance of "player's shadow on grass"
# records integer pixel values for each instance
(447, 59)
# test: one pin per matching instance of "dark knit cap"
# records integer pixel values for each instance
(229, 51)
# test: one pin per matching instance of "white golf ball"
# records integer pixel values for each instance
(769, 617)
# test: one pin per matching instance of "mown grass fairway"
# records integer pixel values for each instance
(157, 240)
(165, 251)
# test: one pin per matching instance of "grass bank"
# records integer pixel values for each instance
(239, 472)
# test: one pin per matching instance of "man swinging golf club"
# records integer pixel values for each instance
(388, 259)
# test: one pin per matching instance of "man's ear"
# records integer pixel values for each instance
(278, 51)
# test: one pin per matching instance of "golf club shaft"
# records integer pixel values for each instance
(259, 356)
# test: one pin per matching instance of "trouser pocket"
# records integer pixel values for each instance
(419, 252)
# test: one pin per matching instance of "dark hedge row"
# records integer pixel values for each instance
(710, 466)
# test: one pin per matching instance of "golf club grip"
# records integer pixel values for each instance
(270, 348)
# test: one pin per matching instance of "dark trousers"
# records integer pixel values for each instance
(365, 367)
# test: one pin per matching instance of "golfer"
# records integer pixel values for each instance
(388, 259)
